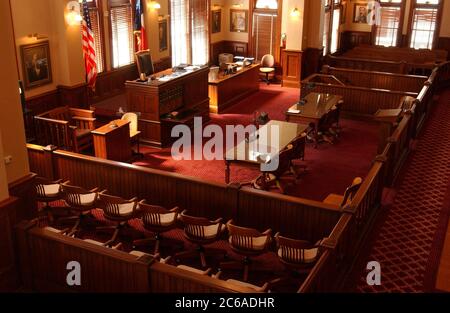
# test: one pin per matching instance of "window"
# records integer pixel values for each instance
(121, 17)
(332, 22)
(424, 23)
(387, 33)
(98, 36)
(264, 28)
(326, 27)
(189, 31)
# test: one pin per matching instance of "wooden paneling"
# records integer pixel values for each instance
(312, 60)
(360, 100)
(102, 269)
(73, 96)
(378, 80)
(366, 65)
(291, 62)
(444, 44)
(351, 39)
(24, 190)
(162, 64)
(9, 279)
(233, 47)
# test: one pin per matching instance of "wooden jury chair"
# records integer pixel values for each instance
(246, 242)
(201, 231)
(342, 200)
(157, 220)
(298, 153)
(298, 256)
(117, 210)
(81, 201)
(48, 191)
(134, 132)
(269, 178)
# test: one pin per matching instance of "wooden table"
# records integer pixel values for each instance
(260, 146)
(315, 107)
(229, 89)
(112, 141)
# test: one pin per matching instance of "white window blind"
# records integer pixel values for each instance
(387, 31)
(121, 13)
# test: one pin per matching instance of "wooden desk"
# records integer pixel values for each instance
(186, 93)
(113, 143)
(388, 119)
(251, 151)
(315, 107)
(227, 90)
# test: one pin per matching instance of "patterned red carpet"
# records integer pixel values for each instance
(331, 168)
(408, 240)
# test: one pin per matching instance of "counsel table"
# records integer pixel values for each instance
(257, 151)
(229, 89)
(315, 107)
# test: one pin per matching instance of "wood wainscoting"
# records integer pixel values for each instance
(351, 39)
(291, 62)
(225, 46)
(444, 44)
(312, 61)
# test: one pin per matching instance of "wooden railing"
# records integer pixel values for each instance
(302, 218)
(378, 80)
(360, 100)
(367, 64)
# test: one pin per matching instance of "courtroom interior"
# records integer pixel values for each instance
(116, 153)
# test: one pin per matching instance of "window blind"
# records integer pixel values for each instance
(179, 10)
(199, 33)
(387, 31)
(122, 33)
(263, 32)
(99, 53)
(423, 28)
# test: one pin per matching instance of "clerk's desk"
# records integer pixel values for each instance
(112, 141)
(183, 92)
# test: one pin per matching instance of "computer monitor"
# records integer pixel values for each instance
(144, 62)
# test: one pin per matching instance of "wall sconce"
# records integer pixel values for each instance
(37, 36)
(295, 13)
(73, 16)
(155, 5)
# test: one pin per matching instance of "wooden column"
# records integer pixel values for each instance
(292, 68)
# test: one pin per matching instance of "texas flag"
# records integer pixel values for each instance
(139, 26)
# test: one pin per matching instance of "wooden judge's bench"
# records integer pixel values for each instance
(183, 92)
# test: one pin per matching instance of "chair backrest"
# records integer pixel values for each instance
(284, 161)
(295, 252)
(197, 228)
(267, 60)
(152, 215)
(78, 197)
(243, 239)
(351, 190)
(144, 62)
(133, 119)
(299, 144)
(117, 207)
(42, 184)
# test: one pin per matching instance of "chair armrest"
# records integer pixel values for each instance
(217, 221)
(230, 222)
(165, 261)
(96, 189)
(117, 247)
(217, 275)
(142, 201)
(268, 232)
(175, 210)
(135, 199)
(208, 271)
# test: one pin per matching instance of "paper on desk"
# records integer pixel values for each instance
(294, 111)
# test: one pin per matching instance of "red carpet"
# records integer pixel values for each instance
(331, 168)
(407, 243)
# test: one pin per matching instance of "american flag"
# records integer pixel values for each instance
(89, 47)
(139, 25)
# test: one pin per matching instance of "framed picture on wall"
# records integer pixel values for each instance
(238, 21)
(216, 21)
(163, 35)
(360, 13)
(36, 64)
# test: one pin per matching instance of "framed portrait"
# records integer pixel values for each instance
(360, 13)
(216, 21)
(163, 35)
(36, 64)
(239, 21)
